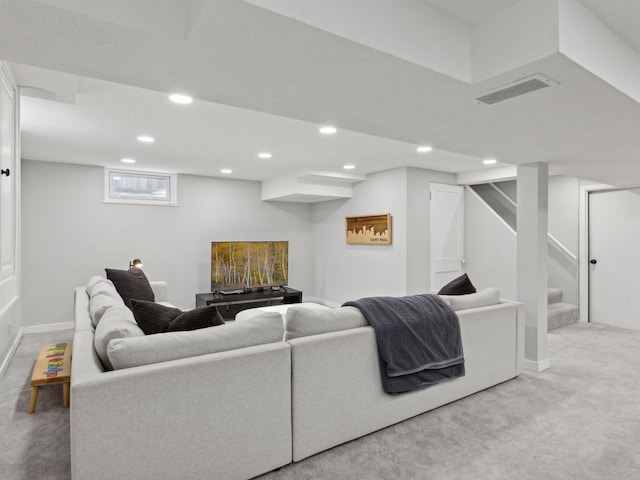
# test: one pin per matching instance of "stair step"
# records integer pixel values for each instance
(561, 314)
(554, 295)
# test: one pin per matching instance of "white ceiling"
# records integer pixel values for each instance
(263, 81)
(470, 13)
(102, 124)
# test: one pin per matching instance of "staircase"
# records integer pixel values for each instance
(559, 314)
(562, 264)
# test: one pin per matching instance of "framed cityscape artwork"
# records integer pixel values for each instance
(369, 229)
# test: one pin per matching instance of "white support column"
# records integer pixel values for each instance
(533, 180)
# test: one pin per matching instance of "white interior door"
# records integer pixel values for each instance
(8, 211)
(7, 180)
(447, 233)
(614, 257)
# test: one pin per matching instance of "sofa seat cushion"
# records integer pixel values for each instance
(116, 322)
(304, 321)
(483, 298)
(135, 351)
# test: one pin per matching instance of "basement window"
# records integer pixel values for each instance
(140, 188)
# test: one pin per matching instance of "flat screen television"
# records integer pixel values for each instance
(249, 265)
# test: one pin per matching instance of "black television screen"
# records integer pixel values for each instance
(244, 265)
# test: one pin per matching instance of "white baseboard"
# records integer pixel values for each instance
(538, 366)
(14, 346)
(48, 327)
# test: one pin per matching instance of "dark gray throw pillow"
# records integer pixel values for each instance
(131, 284)
(458, 286)
(156, 318)
(201, 317)
(152, 317)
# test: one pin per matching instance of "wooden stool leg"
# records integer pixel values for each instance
(33, 399)
(65, 394)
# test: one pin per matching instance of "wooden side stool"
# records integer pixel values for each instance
(52, 366)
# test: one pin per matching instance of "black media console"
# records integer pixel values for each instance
(229, 304)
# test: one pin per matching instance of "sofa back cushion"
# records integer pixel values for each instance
(116, 322)
(302, 322)
(483, 298)
(102, 295)
(145, 350)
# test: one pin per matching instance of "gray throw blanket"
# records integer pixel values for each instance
(418, 339)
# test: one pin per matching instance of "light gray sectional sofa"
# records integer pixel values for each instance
(241, 399)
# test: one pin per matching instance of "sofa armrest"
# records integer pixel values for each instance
(160, 291)
(82, 320)
(225, 414)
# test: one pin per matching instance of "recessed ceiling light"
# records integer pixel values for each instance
(424, 149)
(128, 160)
(349, 167)
(489, 161)
(146, 139)
(264, 155)
(226, 170)
(180, 98)
(327, 130)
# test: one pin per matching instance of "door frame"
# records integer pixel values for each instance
(583, 254)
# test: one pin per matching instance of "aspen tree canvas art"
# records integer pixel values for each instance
(236, 265)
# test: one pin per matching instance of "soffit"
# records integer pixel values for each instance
(621, 16)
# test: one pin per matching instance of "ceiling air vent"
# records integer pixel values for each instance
(519, 87)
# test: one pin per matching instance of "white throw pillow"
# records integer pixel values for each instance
(281, 309)
(302, 322)
(483, 298)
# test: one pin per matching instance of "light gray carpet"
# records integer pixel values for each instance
(578, 420)
(33, 446)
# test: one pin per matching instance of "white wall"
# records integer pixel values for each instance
(490, 248)
(564, 207)
(346, 272)
(70, 235)
(564, 196)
